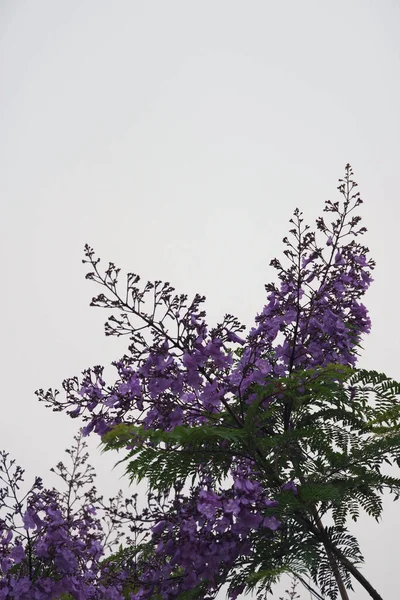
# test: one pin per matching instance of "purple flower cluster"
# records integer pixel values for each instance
(49, 544)
(183, 372)
(180, 372)
(203, 536)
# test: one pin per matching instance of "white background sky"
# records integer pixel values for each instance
(177, 137)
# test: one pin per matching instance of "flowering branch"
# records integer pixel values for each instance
(248, 441)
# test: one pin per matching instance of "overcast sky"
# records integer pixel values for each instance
(177, 137)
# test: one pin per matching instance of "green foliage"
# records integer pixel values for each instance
(166, 457)
(344, 429)
(322, 572)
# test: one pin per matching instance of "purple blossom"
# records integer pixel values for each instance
(271, 523)
(17, 554)
(290, 486)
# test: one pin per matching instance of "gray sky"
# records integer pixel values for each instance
(177, 138)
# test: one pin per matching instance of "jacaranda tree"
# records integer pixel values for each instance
(257, 449)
